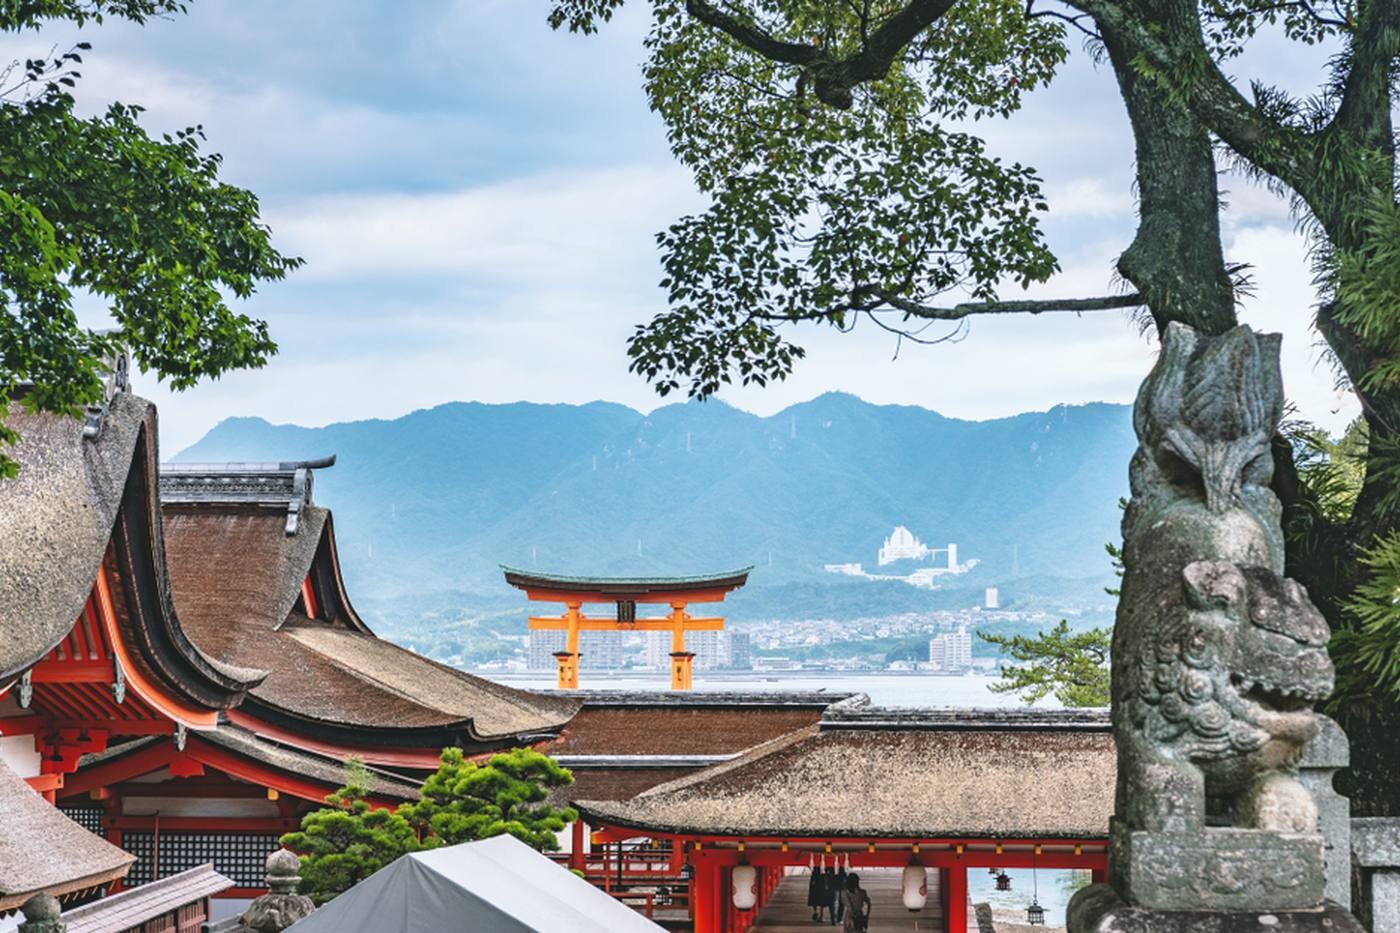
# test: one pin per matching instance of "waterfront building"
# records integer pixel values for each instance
(543, 646)
(740, 651)
(951, 651)
(625, 594)
(600, 651)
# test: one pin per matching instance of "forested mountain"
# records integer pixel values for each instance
(427, 505)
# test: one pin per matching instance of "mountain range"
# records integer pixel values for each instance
(429, 504)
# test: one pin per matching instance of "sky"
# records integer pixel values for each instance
(476, 198)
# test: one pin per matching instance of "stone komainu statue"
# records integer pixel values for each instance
(1217, 657)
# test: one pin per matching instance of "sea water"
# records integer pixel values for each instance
(884, 689)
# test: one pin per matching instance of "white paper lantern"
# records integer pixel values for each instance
(744, 880)
(914, 885)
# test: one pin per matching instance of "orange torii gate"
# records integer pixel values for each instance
(626, 593)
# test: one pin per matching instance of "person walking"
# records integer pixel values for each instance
(833, 892)
(856, 904)
(839, 904)
(818, 895)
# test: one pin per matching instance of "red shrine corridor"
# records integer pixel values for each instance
(787, 910)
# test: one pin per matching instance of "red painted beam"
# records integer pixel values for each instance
(73, 672)
(144, 761)
(258, 773)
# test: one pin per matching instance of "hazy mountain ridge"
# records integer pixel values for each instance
(433, 501)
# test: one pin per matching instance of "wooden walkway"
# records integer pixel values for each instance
(787, 910)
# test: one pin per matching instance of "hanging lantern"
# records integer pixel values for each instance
(1003, 881)
(744, 882)
(914, 885)
(1035, 914)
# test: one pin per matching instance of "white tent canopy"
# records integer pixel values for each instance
(497, 884)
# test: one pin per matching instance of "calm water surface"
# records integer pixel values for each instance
(883, 689)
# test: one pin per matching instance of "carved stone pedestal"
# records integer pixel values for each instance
(1099, 909)
(1219, 868)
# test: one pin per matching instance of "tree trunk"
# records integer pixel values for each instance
(1175, 260)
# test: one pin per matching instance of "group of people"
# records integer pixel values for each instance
(837, 892)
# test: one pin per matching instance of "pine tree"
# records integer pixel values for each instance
(464, 800)
(344, 843)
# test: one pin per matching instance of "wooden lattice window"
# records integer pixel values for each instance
(87, 816)
(239, 856)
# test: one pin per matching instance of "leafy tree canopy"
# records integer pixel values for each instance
(1071, 666)
(96, 205)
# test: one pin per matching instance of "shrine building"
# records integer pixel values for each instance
(937, 793)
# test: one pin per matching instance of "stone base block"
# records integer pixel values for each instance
(1099, 909)
(1218, 868)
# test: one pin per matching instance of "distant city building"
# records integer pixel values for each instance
(656, 656)
(951, 651)
(775, 663)
(600, 651)
(708, 648)
(993, 600)
(543, 644)
(740, 651)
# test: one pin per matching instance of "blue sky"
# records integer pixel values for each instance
(476, 197)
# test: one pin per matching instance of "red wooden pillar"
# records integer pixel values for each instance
(955, 884)
(704, 888)
(577, 845)
(1100, 876)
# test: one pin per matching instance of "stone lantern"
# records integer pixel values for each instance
(41, 915)
(281, 907)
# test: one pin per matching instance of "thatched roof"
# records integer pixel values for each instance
(81, 496)
(237, 576)
(55, 520)
(889, 774)
(43, 850)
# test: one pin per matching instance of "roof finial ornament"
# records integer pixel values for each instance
(117, 380)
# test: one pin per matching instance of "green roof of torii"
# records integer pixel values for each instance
(624, 586)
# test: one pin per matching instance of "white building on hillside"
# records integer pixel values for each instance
(902, 545)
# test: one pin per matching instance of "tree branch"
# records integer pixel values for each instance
(1365, 106)
(833, 77)
(968, 308)
(1278, 150)
(751, 37)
